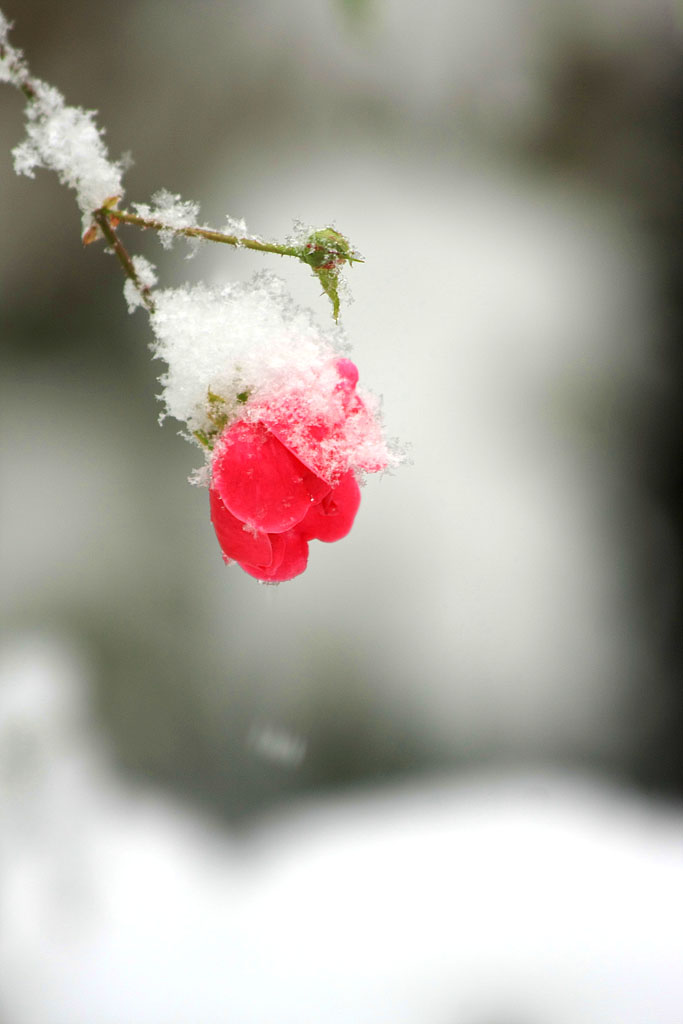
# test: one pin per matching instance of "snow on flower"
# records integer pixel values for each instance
(258, 382)
(286, 474)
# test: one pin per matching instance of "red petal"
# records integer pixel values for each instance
(236, 541)
(348, 378)
(290, 558)
(313, 415)
(261, 482)
(333, 517)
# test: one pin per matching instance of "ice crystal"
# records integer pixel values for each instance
(171, 211)
(237, 226)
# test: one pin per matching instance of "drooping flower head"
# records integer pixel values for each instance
(258, 383)
(285, 474)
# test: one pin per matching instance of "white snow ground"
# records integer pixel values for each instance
(482, 901)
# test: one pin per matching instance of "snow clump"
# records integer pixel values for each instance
(60, 138)
(174, 213)
(249, 347)
(147, 278)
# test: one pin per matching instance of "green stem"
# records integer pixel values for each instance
(207, 233)
(301, 252)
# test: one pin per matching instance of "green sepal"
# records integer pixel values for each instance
(203, 439)
(219, 416)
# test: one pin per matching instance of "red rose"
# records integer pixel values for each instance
(287, 476)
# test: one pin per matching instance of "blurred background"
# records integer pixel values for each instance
(509, 604)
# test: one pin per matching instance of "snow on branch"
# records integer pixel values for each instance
(60, 138)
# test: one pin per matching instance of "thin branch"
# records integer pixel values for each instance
(207, 233)
(101, 218)
(325, 250)
(22, 75)
(299, 251)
